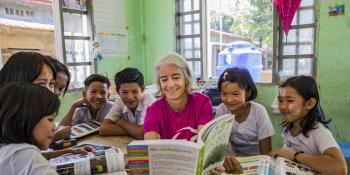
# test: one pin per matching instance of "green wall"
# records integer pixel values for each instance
(266, 95)
(333, 68)
(109, 66)
(152, 33)
(159, 21)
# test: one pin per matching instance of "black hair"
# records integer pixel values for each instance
(96, 77)
(129, 75)
(242, 77)
(307, 88)
(22, 106)
(60, 67)
(24, 66)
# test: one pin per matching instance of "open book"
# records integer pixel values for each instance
(180, 156)
(263, 164)
(101, 161)
(83, 129)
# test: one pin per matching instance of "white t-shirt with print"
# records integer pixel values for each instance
(245, 136)
(318, 141)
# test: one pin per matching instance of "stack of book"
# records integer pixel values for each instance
(138, 159)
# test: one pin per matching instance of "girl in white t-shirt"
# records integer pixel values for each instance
(27, 113)
(252, 129)
(306, 137)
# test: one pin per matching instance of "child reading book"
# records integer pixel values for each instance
(94, 105)
(252, 128)
(306, 137)
(27, 113)
(127, 115)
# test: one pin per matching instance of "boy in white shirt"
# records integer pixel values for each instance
(128, 112)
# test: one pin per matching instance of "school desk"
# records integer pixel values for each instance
(120, 142)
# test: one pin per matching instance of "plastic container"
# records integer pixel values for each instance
(241, 54)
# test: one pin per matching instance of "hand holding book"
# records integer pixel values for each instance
(263, 164)
(102, 161)
(231, 165)
(286, 153)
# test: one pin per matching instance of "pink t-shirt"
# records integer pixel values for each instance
(169, 124)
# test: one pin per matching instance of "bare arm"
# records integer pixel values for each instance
(265, 145)
(54, 154)
(62, 133)
(330, 162)
(152, 136)
(67, 119)
(132, 129)
(109, 127)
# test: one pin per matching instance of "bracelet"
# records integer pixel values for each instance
(295, 156)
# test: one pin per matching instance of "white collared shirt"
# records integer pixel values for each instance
(120, 110)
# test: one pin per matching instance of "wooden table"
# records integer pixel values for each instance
(120, 142)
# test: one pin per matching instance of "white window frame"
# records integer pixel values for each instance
(203, 39)
(278, 44)
(60, 37)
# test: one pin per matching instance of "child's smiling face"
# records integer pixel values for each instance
(232, 96)
(292, 105)
(131, 94)
(96, 95)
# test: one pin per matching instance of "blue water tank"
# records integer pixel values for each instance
(241, 54)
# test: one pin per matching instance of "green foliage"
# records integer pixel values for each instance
(214, 20)
(252, 19)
